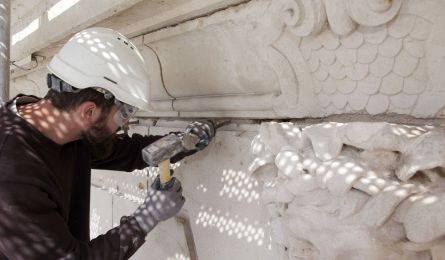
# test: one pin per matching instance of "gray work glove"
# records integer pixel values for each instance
(205, 130)
(160, 204)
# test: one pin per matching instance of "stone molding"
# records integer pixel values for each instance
(314, 59)
(293, 59)
(376, 189)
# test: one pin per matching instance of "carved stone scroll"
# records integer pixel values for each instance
(376, 189)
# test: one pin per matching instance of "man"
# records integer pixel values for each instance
(48, 146)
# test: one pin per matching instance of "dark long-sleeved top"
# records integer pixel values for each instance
(45, 195)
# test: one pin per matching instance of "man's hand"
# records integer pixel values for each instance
(160, 204)
(205, 130)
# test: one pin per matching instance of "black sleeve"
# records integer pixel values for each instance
(127, 153)
(31, 227)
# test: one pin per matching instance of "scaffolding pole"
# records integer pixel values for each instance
(5, 44)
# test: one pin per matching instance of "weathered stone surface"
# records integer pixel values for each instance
(289, 52)
(370, 85)
(349, 181)
(391, 84)
(377, 104)
(390, 47)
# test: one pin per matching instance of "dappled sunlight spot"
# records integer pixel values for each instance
(410, 131)
(430, 200)
(113, 69)
(342, 170)
(391, 188)
(31, 121)
(258, 162)
(25, 32)
(381, 181)
(62, 128)
(331, 125)
(289, 163)
(94, 223)
(134, 198)
(106, 55)
(329, 174)
(350, 178)
(231, 225)
(202, 188)
(140, 173)
(122, 68)
(114, 56)
(399, 131)
(401, 193)
(373, 188)
(178, 256)
(152, 172)
(240, 186)
(349, 164)
(358, 169)
(134, 191)
(44, 124)
(60, 7)
(66, 116)
(45, 111)
(335, 164)
(310, 164)
(131, 69)
(59, 133)
(271, 183)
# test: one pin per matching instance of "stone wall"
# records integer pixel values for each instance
(227, 219)
(306, 189)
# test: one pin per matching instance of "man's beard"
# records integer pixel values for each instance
(99, 140)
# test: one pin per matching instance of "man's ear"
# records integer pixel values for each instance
(88, 113)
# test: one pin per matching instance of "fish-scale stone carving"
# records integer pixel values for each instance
(357, 100)
(384, 60)
(357, 71)
(367, 53)
(391, 84)
(370, 85)
(401, 26)
(347, 87)
(303, 56)
(413, 86)
(346, 56)
(366, 186)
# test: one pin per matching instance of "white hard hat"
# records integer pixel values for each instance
(101, 57)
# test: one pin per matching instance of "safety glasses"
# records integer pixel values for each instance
(124, 112)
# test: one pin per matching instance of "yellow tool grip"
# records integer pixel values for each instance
(164, 172)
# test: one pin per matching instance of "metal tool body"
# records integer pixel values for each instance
(160, 152)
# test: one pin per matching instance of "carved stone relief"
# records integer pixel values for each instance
(376, 189)
(307, 58)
